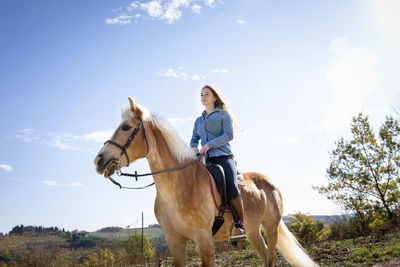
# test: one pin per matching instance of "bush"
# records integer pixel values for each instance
(357, 226)
(306, 229)
(133, 246)
(348, 227)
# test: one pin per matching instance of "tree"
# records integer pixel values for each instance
(134, 246)
(364, 172)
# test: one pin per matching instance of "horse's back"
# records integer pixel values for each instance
(258, 190)
(261, 181)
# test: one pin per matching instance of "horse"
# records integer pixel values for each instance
(184, 204)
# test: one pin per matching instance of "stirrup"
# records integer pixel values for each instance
(240, 236)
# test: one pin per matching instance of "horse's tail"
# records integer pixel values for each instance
(291, 249)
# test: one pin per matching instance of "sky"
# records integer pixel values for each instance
(294, 73)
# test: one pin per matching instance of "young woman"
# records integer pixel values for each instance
(215, 130)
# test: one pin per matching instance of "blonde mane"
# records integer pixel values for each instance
(178, 148)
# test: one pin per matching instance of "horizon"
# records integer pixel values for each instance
(156, 225)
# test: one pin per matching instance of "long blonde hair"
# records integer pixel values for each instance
(221, 103)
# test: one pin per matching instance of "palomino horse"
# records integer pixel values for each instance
(184, 205)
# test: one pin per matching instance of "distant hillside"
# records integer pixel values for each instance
(326, 219)
(122, 234)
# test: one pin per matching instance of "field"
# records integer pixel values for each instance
(124, 233)
(106, 248)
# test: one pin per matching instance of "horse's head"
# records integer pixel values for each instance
(128, 143)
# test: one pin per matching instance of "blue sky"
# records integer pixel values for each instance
(295, 72)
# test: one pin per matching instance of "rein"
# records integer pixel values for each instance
(124, 152)
(136, 175)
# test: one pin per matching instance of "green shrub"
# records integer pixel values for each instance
(306, 229)
(133, 246)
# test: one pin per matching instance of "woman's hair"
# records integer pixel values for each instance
(221, 103)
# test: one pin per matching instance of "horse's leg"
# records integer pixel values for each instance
(177, 246)
(205, 243)
(256, 239)
(271, 231)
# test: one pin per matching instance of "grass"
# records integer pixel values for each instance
(362, 251)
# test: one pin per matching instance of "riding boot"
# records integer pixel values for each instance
(237, 204)
(240, 232)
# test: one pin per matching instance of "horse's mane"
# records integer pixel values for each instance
(178, 148)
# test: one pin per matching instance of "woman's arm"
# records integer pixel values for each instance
(194, 142)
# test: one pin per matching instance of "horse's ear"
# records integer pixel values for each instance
(135, 109)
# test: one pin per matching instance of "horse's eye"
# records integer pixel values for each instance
(126, 127)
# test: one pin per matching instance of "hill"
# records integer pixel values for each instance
(122, 234)
(325, 219)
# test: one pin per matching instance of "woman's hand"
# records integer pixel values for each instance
(204, 149)
(195, 150)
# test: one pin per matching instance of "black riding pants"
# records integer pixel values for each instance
(228, 163)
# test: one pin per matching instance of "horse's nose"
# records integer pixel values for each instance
(98, 160)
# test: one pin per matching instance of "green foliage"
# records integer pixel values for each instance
(306, 229)
(376, 253)
(348, 227)
(159, 243)
(36, 230)
(102, 258)
(111, 229)
(133, 246)
(364, 171)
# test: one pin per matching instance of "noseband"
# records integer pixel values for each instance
(130, 139)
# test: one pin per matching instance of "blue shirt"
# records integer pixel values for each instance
(214, 129)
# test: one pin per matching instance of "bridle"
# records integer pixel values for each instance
(124, 152)
(129, 141)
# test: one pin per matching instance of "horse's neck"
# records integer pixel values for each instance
(160, 158)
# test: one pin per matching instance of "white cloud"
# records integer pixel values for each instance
(388, 17)
(180, 74)
(51, 183)
(196, 9)
(165, 10)
(65, 141)
(352, 79)
(28, 135)
(122, 19)
(5, 167)
(134, 5)
(99, 136)
(153, 8)
(210, 3)
(59, 144)
(223, 71)
(76, 184)
(117, 9)
(55, 183)
(240, 21)
(172, 12)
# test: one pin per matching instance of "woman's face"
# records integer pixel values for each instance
(207, 97)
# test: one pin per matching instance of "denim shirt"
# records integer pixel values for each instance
(214, 129)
